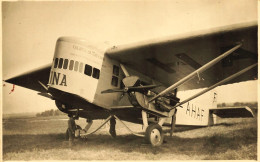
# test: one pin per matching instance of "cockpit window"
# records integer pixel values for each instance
(56, 62)
(88, 70)
(71, 65)
(76, 66)
(114, 81)
(60, 63)
(96, 73)
(65, 65)
(115, 70)
(115, 75)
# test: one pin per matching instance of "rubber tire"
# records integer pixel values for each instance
(149, 131)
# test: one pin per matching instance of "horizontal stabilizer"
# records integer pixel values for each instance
(31, 79)
(233, 112)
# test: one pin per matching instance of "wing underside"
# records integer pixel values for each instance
(171, 59)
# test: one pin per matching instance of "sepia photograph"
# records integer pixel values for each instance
(129, 80)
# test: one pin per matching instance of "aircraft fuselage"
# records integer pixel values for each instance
(83, 70)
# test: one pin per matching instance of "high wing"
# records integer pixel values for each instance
(33, 79)
(170, 59)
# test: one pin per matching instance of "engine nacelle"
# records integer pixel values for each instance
(61, 106)
(140, 100)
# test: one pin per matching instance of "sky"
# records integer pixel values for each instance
(30, 31)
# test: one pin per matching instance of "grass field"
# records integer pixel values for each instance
(42, 138)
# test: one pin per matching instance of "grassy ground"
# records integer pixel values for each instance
(44, 139)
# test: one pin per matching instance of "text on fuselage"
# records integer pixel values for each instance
(58, 79)
(194, 111)
(87, 51)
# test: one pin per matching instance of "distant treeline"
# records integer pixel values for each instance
(51, 112)
(249, 104)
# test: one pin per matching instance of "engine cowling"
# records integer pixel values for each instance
(61, 106)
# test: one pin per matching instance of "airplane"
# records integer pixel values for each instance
(140, 82)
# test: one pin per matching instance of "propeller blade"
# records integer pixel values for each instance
(130, 81)
(112, 91)
(143, 87)
(121, 97)
(124, 70)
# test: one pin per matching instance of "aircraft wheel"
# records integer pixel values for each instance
(154, 134)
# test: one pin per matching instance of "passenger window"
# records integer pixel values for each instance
(96, 73)
(56, 62)
(114, 81)
(65, 65)
(80, 67)
(71, 64)
(60, 63)
(88, 70)
(76, 66)
(115, 70)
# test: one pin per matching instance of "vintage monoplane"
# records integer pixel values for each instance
(139, 82)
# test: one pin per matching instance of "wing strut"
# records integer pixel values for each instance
(215, 85)
(201, 69)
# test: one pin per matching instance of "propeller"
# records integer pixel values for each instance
(131, 88)
(131, 83)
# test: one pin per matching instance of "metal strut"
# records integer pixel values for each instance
(140, 135)
(215, 85)
(137, 134)
(199, 78)
(98, 127)
(200, 70)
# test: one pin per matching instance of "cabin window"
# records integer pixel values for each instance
(80, 67)
(88, 70)
(65, 64)
(115, 75)
(115, 70)
(56, 62)
(60, 63)
(76, 66)
(114, 81)
(96, 73)
(71, 64)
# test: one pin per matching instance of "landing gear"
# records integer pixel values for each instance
(67, 134)
(154, 134)
(112, 129)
